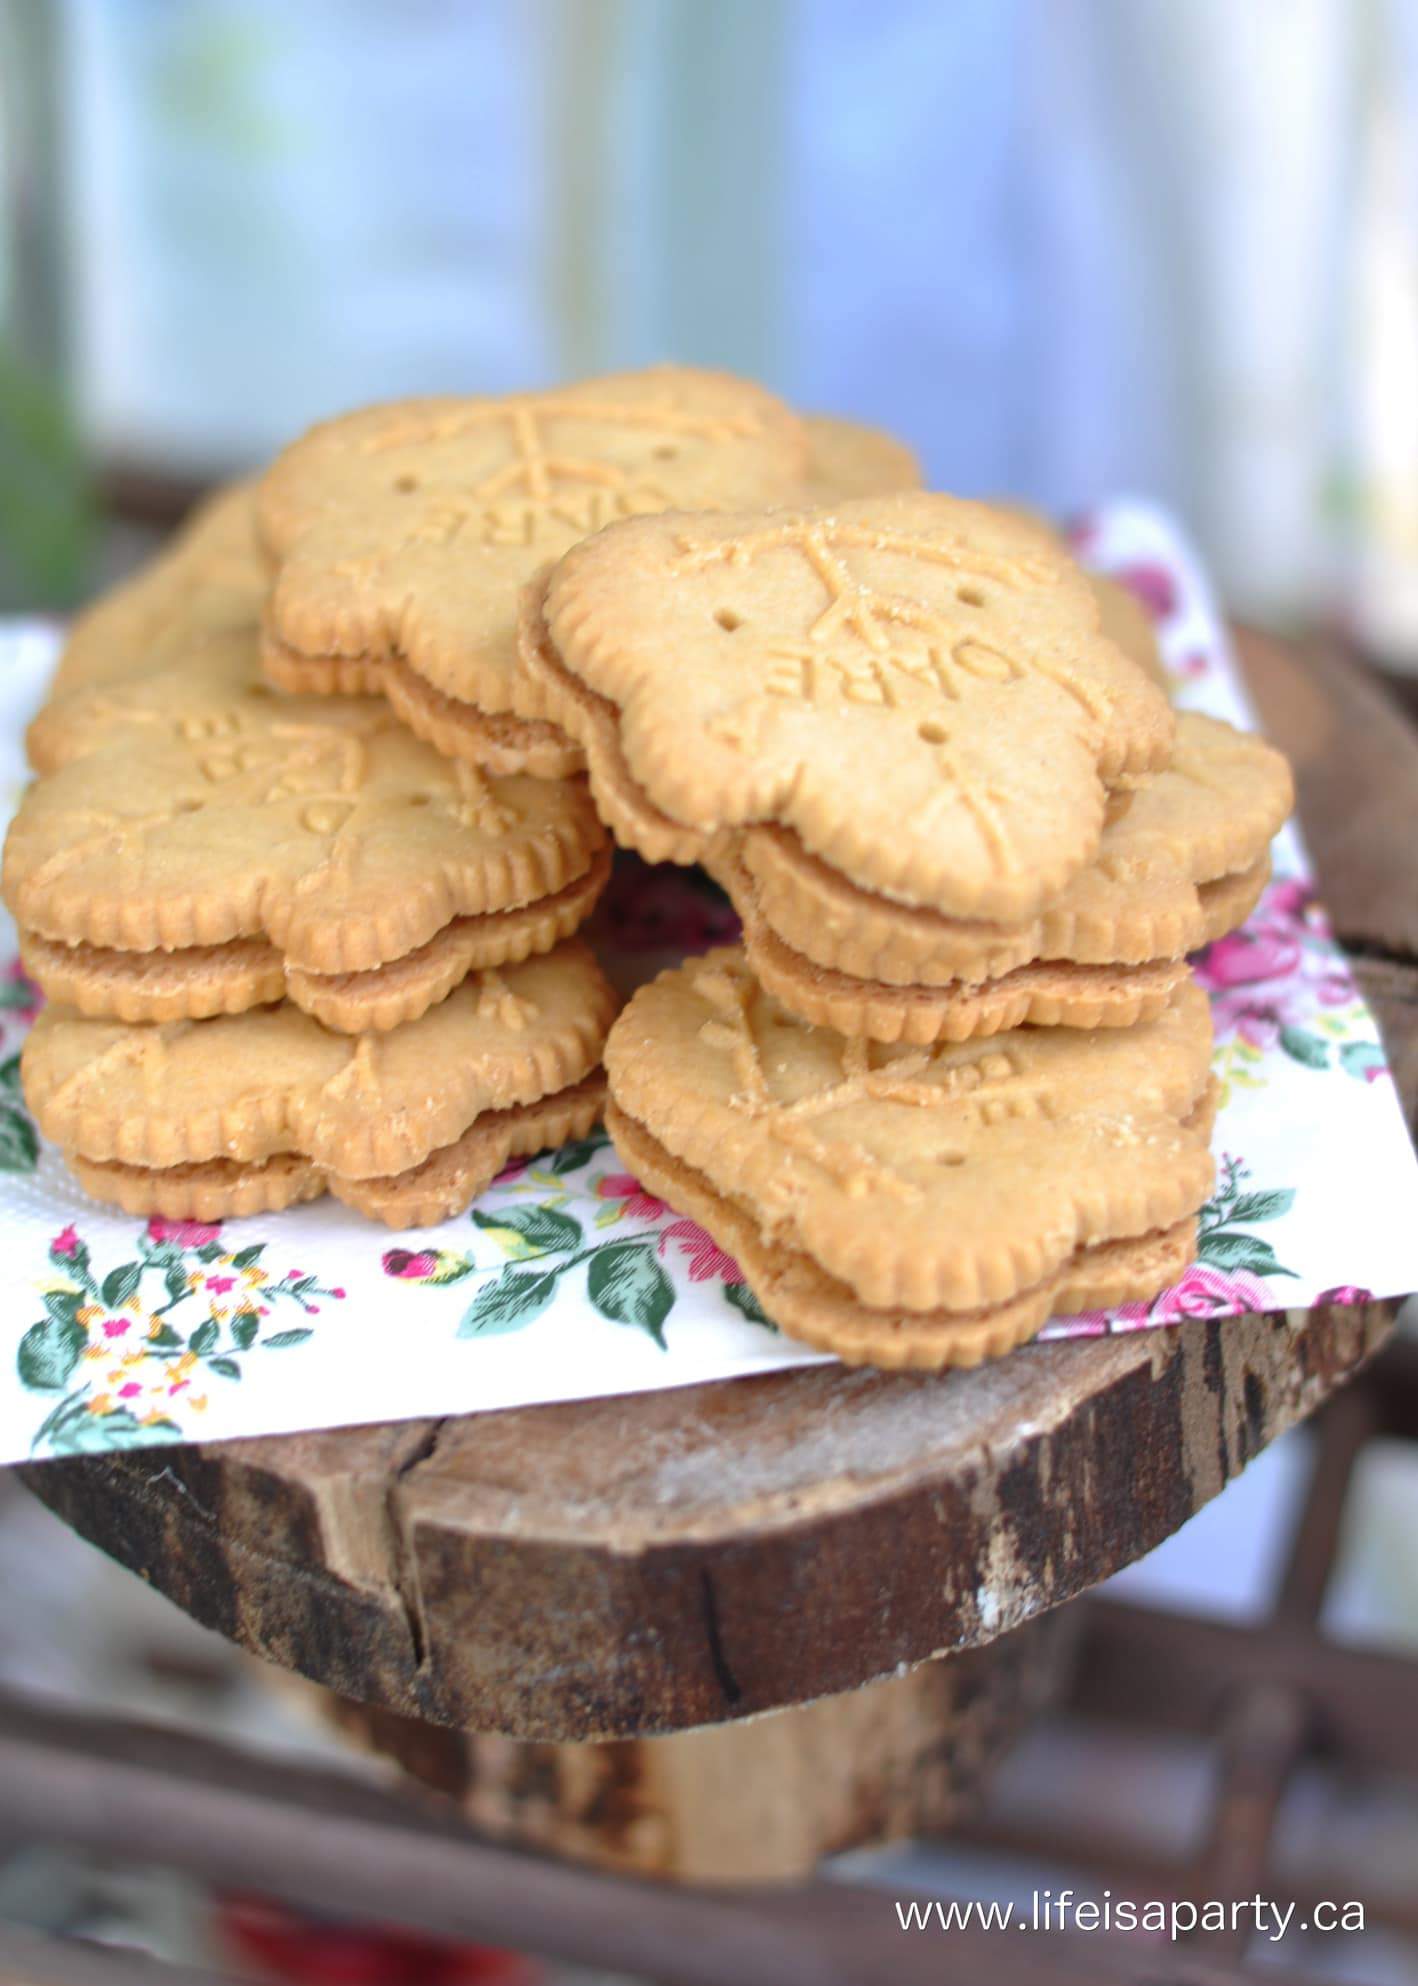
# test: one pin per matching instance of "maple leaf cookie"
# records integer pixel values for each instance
(848, 459)
(208, 582)
(1182, 864)
(1128, 625)
(915, 686)
(400, 535)
(1121, 614)
(248, 1113)
(201, 843)
(916, 1207)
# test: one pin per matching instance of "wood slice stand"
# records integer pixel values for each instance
(490, 1593)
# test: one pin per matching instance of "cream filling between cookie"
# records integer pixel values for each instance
(815, 1306)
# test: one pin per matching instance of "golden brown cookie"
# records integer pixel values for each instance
(209, 581)
(202, 843)
(1127, 623)
(324, 827)
(1044, 994)
(246, 1113)
(1100, 919)
(494, 741)
(447, 1181)
(914, 685)
(200, 981)
(400, 535)
(1121, 615)
(1184, 863)
(921, 1207)
(823, 1311)
(849, 459)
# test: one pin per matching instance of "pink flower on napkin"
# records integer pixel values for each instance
(1285, 899)
(1335, 989)
(414, 1267)
(1248, 956)
(1205, 1291)
(1153, 584)
(636, 1202)
(650, 910)
(18, 994)
(65, 1243)
(186, 1234)
(1345, 1294)
(705, 1258)
(422, 1265)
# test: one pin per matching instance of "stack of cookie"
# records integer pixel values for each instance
(958, 1076)
(401, 536)
(287, 948)
(290, 945)
(317, 822)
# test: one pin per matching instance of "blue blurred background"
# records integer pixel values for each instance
(1067, 247)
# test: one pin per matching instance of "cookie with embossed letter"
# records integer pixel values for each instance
(207, 582)
(1121, 614)
(919, 1207)
(248, 1113)
(1183, 863)
(915, 686)
(399, 535)
(849, 459)
(202, 843)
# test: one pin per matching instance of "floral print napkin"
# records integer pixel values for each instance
(567, 1279)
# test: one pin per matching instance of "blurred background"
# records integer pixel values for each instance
(1067, 247)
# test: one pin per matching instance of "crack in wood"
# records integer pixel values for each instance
(167, 1474)
(1378, 951)
(403, 1559)
(1113, 1446)
(728, 1682)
